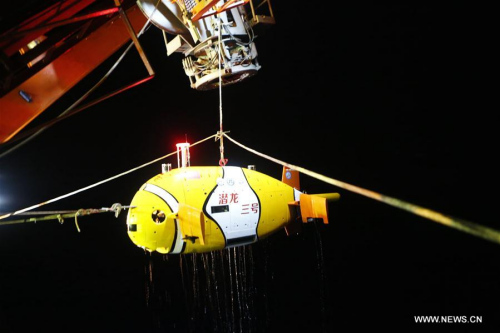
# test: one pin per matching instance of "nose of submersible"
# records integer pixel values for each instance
(151, 223)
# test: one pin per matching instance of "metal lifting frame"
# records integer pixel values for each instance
(256, 18)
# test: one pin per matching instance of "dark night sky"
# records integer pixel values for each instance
(390, 98)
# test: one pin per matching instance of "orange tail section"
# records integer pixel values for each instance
(315, 206)
(311, 207)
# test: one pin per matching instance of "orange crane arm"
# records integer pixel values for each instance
(25, 101)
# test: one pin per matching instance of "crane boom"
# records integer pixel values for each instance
(79, 54)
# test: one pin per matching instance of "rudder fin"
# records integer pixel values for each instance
(291, 178)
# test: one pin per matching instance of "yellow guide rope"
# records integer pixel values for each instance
(459, 224)
(96, 184)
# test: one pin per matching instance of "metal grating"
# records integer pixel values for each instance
(190, 4)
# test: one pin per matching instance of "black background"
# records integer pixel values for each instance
(391, 98)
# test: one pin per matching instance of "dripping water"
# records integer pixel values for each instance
(322, 275)
(244, 283)
(238, 290)
(242, 277)
(187, 292)
(209, 292)
(228, 251)
(251, 290)
(148, 273)
(222, 257)
(195, 282)
(218, 289)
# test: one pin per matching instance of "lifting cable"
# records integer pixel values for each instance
(18, 212)
(459, 224)
(220, 136)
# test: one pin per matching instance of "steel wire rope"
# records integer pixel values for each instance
(222, 161)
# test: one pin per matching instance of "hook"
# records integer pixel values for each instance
(76, 219)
